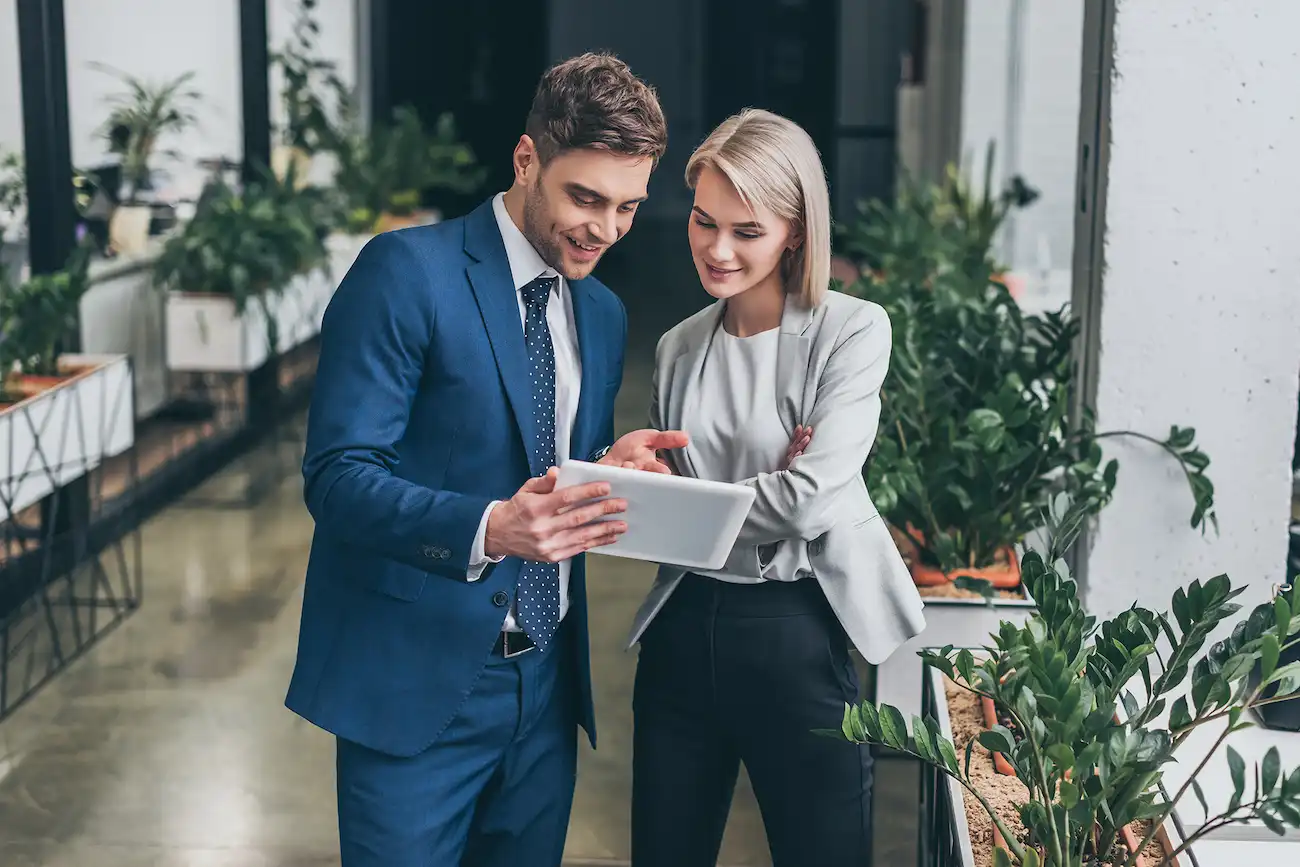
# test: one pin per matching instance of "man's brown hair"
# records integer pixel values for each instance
(594, 101)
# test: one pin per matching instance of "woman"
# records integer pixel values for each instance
(778, 385)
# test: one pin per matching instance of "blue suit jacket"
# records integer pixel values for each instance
(418, 420)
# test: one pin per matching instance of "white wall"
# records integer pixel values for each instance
(156, 40)
(1200, 317)
(160, 39)
(11, 98)
(1042, 131)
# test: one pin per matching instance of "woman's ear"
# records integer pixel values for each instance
(795, 241)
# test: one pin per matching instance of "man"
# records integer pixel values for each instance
(444, 622)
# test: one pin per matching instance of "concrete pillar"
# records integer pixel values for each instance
(1200, 302)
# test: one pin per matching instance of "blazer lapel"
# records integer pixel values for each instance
(498, 303)
(794, 347)
(591, 344)
(684, 393)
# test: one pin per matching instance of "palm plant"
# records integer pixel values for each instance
(140, 116)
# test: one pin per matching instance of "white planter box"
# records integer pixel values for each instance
(123, 314)
(949, 840)
(59, 435)
(205, 335)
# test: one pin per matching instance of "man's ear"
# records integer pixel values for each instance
(527, 165)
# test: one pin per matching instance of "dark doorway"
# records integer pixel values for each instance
(774, 54)
(479, 61)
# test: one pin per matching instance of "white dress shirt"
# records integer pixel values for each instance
(525, 266)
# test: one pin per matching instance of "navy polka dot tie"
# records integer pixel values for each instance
(538, 597)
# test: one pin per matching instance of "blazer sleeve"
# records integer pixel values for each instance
(374, 341)
(800, 502)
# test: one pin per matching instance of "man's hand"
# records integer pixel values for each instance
(543, 524)
(639, 450)
(799, 442)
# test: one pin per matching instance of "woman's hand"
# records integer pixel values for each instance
(802, 437)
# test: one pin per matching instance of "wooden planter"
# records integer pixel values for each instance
(387, 222)
(1003, 575)
(64, 428)
(960, 831)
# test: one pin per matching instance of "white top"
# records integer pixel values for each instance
(525, 266)
(739, 434)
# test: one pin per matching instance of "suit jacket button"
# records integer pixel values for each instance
(443, 553)
(429, 552)
(500, 599)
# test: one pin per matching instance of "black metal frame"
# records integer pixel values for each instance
(1089, 223)
(63, 589)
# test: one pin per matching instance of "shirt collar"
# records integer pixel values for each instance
(525, 264)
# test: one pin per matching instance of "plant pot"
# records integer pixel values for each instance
(66, 427)
(387, 221)
(958, 830)
(1003, 574)
(1284, 715)
(285, 156)
(205, 334)
(128, 229)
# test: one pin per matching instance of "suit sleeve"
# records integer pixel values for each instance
(800, 502)
(605, 435)
(374, 341)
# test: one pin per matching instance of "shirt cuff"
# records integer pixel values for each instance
(478, 559)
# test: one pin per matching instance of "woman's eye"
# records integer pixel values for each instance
(703, 224)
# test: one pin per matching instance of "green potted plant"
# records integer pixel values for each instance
(976, 431)
(227, 271)
(13, 207)
(1089, 715)
(310, 84)
(139, 117)
(406, 162)
(37, 318)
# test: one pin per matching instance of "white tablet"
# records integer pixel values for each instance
(691, 523)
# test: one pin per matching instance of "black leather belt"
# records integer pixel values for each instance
(511, 644)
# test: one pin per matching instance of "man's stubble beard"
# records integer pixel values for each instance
(534, 230)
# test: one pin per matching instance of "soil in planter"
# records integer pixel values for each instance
(952, 591)
(1003, 792)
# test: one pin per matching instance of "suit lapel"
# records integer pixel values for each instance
(794, 347)
(494, 291)
(684, 395)
(591, 347)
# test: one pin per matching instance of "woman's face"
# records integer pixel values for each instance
(734, 248)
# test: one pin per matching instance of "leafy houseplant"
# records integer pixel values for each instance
(933, 228)
(139, 117)
(1091, 769)
(308, 125)
(13, 187)
(246, 245)
(36, 319)
(385, 174)
(976, 434)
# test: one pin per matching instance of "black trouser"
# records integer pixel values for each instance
(734, 673)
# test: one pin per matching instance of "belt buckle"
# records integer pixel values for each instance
(516, 638)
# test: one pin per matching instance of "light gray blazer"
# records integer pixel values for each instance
(831, 362)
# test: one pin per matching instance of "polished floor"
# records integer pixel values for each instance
(168, 745)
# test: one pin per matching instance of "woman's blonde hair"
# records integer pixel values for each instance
(774, 166)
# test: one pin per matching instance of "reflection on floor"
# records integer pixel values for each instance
(168, 743)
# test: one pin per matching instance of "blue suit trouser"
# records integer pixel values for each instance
(494, 790)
